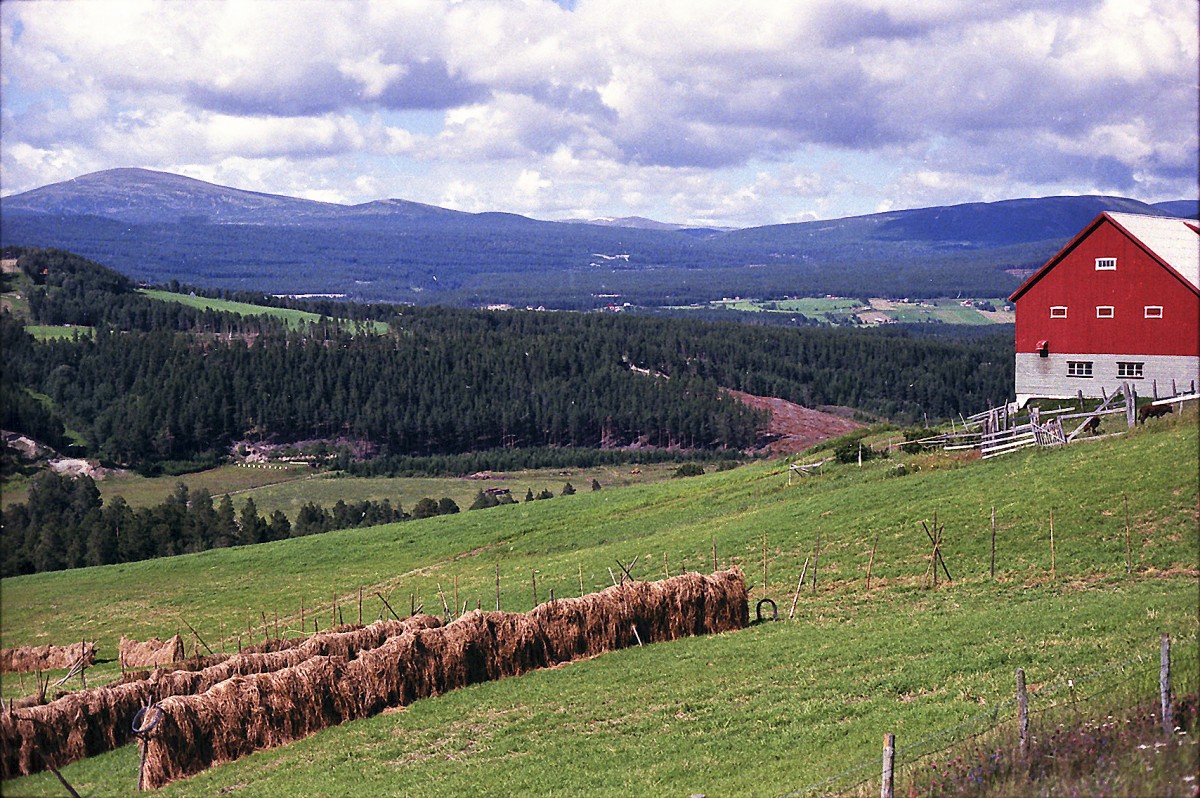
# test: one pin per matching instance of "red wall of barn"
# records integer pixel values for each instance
(1138, 281)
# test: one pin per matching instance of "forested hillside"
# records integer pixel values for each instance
(160, 382)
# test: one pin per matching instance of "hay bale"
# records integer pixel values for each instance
(93, 721)
(27, 659)
(247, 713)
(150, 653)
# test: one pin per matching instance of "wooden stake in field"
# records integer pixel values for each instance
(580, 580)
(715, 569)
(993, 541)
(666, 566)
(764, 584)
(1052, 569)
(1128, 541)
(533, 576)
(1022, 713)
(497, 587)
(360, 606)
(795, 598)
(871, 562)
(816, 560)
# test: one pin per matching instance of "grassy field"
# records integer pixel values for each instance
(764, 711)
(294, 318)
(288, 487)
(841, 310)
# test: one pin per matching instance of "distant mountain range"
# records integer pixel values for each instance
(158, 227)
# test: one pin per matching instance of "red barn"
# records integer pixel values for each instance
(1120, 303)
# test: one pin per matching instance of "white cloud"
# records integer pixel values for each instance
(709, 109)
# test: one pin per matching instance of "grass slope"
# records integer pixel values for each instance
(294, 318)
(763, 711)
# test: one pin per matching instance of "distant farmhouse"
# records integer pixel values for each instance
(1120, 303)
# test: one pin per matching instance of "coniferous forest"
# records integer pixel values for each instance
(160, 382)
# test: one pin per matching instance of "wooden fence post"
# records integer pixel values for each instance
(1052, 569)
(497, 587)
(871, 562)
(993, 541)
(886, 789)
(1164, 686)
(1022, 712)
(816, 560)
(1128, 541)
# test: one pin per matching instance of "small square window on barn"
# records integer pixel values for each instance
(1130, 371)
(1104, 311)
(1058, 311)
(1154, 311)
(1079, 368)
(1106, 264)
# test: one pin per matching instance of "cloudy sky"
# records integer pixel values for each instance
(732, 112)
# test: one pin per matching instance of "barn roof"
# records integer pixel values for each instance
(1172, 241)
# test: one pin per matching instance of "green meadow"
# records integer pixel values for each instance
(769, 710)
(294, 318)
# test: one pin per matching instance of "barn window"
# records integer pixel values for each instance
(1058, 311)
(1106, 264)
(1154, 311)
(1104, 311)
(1130, 371)
(1079, 368)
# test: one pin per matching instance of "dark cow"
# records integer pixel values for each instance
(1152, 411)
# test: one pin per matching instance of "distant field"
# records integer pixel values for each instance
(294, 318)
(49, 332)
(287, 488)
(760, 712)
(842, 310)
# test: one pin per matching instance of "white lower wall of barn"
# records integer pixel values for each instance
(1046, 377)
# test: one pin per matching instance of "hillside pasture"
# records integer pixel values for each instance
(764, 711)
(294, 318)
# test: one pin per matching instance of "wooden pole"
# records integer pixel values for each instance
(1052, 569)
(581, 581)
(871, 562)
(1164, 686)
(714, 555)
(886, 789)
(795, 598)
(360, 606)
(993, 541)
(1128, 541)
(302, 615)
(816, 560)
(533, 577)
(666, 566)
(497, 587)
(764, 582)
(1022, 712)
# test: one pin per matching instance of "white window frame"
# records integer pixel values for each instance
(1154, 311)
(1058, 311)
(1106, 264)
(1105, 312)
(1080, 368)
(1131, 370)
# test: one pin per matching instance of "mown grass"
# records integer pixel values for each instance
(764, 711)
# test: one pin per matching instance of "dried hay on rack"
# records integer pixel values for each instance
(93, 721)
(27, 659)
(150, 653)
(249, 713)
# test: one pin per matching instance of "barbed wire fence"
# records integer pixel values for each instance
(1120, 685)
